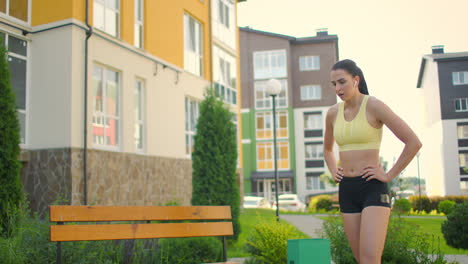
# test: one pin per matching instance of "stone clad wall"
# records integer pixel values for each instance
(114, 178)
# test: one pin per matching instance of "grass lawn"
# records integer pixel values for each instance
(248, 219)
(431, 226)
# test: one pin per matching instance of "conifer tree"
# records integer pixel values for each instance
(214, 159)
(10, 184)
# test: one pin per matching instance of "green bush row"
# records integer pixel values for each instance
(428, 204)
(404, 244)
(455, 228)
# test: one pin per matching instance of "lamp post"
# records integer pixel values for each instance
(273, 88)
(419, 183)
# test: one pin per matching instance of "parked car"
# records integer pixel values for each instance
(256, 202)
(290, 202)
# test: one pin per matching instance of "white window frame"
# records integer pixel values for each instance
(139, 26)
(313, 151)
(314, 181)
(265, 101)
(460, 78)
(311, 92)
(104, 27)
(224, 9)
(313, 121)
(264, 64)
(190, 124)
(140, 117)
(461, 132)
(309, 63)
(225, 71)
(100, 118)
(268, 120)
(461, 102)
(15, 19)
(24, 112)
(193, 49)
(268, 146)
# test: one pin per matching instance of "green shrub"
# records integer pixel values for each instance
(422, 201)
(315, 200)
(402, 206)
(191, 250)
(324, 204)
(404, 244)
(446, 207)
(455, 228)
(268, 243)
(10, 184)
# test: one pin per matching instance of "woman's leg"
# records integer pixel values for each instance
(373, 231)
(352, 224)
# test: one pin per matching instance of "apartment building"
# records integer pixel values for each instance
(108, 93)
(444, 157)
(302, 65)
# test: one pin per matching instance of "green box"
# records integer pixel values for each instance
(309, 251)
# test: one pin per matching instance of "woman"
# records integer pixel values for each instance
(356, 125)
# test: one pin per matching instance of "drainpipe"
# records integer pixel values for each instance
(89, 32)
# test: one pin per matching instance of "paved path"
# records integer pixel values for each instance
(312, 226)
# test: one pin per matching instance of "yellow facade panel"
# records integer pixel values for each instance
(48, 11)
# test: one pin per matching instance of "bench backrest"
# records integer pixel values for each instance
(105, 231)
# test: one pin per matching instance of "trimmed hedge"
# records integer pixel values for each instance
(432, 202)
(455, 229)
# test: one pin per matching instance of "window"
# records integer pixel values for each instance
(264, 101)
(17, 55)
(463, 159)
(461, 104)
(270, 64)
(265, 126)
(223, 12)
(313, 121)
(265, 155)
(106, 16)
(311, 92)
(460, 78)
(193, 54)
(314, 183)
(191, 118)
(313, 151)
(225, 67)
(309, 63)
(15, 8)
(139, 104)
(106, 107)
(139, 23)
(462, 131)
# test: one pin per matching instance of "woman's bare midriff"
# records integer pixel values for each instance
(353, 162)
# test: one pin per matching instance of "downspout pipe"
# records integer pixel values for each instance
(89, 32)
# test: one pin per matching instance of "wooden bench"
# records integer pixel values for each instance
(73, 231)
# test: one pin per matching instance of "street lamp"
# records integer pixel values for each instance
(419, 183)
(273, 88)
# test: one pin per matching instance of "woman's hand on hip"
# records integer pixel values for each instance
(375, 172)
(338, 174)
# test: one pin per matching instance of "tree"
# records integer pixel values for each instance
(10, 185)
(214, 159)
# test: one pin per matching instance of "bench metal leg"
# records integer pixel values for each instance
(224, 249)
(59, 252)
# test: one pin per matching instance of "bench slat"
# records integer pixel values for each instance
(79, 213)
(137, 231)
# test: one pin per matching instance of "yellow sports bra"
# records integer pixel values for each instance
(356, 134)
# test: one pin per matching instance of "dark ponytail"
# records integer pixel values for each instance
(351, 67)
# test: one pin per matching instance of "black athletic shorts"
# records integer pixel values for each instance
(355, 194)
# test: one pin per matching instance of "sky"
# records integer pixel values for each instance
(386, 38)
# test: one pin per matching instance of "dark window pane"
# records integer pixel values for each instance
(18, 80)
(457, 104)
(17, 46)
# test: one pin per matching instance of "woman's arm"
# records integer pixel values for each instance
(337, 173)
(402, 131)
